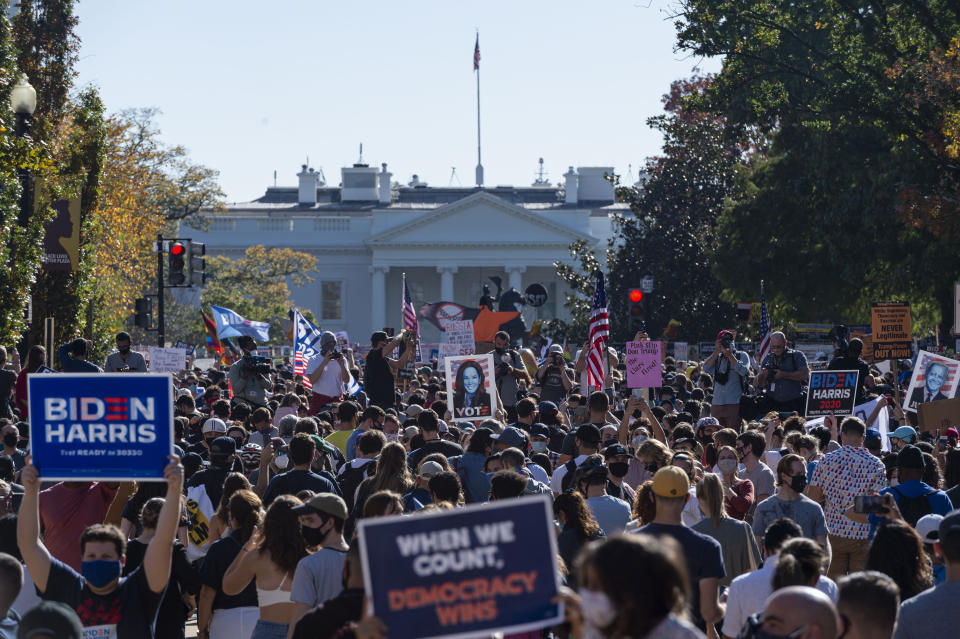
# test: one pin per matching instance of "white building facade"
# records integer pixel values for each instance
(368, 231)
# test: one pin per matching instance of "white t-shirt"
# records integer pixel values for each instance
(331, 379)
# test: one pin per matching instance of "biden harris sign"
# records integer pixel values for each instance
(112, 426)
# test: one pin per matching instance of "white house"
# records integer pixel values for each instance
(368, 231)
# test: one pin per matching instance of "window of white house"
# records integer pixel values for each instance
(331, 300)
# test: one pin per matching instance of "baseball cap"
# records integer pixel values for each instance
(511, 437)
(183, 392)
(430, 468)
(555, 348)
(910, 457)
(671, 481)
(723, 333)
(588, 433)
(707, 421)
(324, 504)
(873, 439)
(906, 433)
(482, 433)
(442, 426)
(223, 446)
(214, 425)
(539, 430)
(952, 431)
(50, 618)
(950, 523)
(548, 408)
(413, 410)
(613, 450)
(928, 527)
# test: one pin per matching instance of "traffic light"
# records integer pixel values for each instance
(635, 311)
(198, 263)
(144, 312)
(176, 262)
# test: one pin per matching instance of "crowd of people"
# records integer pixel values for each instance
(678, 513)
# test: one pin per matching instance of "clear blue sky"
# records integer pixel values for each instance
(253, 87)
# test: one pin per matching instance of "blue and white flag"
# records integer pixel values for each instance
(229, 324)
(306, 346)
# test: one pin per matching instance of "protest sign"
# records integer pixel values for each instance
(863, 411)
(940, 415)
(470, 386)
(681, 351)
(831, 392)
(467, 572)
(167, 360)
(445, 351)
(460, 332)
(189, 348)
(890, 322)
(643, 365)
(934, 379)
(106, 427)
(204, 363)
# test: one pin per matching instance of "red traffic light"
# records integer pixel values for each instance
(636, 295)
(177, 249)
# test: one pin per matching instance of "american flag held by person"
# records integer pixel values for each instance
(410, 322)
(599, 333)
(306, 346)
(764, 328)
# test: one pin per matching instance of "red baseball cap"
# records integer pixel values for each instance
(724, 332)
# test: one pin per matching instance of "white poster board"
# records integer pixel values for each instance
(681, 351)
(167, 360)
(461, 334)
(471, 394)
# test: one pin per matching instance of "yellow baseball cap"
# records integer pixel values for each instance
(671, 481)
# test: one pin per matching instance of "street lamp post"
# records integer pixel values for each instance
(23, 99)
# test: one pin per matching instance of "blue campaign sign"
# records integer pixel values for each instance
(463, 572)
(109, 426)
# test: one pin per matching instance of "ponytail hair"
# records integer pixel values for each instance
(800, 563)
(246, 511)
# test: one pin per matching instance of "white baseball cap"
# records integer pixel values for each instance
(214, 425)
(928, 527)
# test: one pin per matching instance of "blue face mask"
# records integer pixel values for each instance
(100, 572)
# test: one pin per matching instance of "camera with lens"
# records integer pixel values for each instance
(255, 364)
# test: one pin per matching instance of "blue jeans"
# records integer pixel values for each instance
(269, 630)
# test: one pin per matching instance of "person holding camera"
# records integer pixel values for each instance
(509, 372)
(552, 376)
(728, 366)
(327, 379)
(250, 375)
(784, 372)
(379, 366)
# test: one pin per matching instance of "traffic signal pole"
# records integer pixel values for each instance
(160, 333)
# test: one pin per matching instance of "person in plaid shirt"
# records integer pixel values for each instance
(839, 477)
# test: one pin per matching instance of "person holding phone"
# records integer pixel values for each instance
(728, 366)
(124, 360)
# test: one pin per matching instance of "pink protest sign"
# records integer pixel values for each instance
(643, 365)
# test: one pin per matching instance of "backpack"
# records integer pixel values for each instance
(913, 508)
(567, 480)
(351, 477)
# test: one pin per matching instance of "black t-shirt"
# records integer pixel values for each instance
(8, 379)
(551, 385)
(131, 609)
(212, 478)
(331, 615)
(378, 379)
(704, 559)
(852, 364)
(214, 567)
(183, 579)
(448, 449)
(292, 482)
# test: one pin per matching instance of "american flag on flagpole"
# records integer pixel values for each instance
(410, 322)
(764, 327)
(476, 54)
(599, 334)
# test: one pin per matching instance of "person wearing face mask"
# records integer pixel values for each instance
(301, 477)
(205, 490)
(617, 458)
(513, 459)
(263, 428)
(740, 551)
(318, 576)
(327, 618)
(591, 480)
(737, 492)
(248, 380)
(795, 612)
(124, 360)
(789, 501)
(108, 605)
(605, 605)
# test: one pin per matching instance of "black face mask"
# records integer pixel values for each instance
(618, 469)
(123, 350)
(10, 440)
(313, 536)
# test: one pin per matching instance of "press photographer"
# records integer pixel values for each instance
(552, 376)
(508, 372)
(250, 375)
(729, 369)
(378, 369)
(784, 373)
(328, 378)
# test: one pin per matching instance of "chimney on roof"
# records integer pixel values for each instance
(571, 182)
(384, 184)
(594, 186)
(307, 191)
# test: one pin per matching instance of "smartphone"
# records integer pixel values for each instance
(785, 415)
(637, 392)
(869, 504)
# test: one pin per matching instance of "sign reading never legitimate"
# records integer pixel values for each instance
(106, 427)
(465, 572)
(892, 336)
(831, 393)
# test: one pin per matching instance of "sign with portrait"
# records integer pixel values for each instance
(934, 378)
(471, 393)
